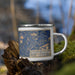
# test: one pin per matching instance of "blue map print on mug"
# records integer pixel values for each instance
(35, 43)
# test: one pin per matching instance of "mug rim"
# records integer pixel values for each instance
(36, 25)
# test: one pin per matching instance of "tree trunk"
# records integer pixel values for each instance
(19, 66)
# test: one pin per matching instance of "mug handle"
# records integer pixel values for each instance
(64, 45)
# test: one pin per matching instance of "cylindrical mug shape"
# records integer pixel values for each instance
(35, 41)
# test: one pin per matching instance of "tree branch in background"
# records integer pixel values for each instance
(62, 13)
(72, 36)
(12, 8)
(74, 23)
(37, 14)
(50, 17)
(69, 16)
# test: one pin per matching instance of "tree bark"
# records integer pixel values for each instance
(20, 66)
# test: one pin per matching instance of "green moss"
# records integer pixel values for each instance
(68, 69)
(69, 54)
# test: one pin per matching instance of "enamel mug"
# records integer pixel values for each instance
(36, 42)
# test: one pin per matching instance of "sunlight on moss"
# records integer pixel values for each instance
(3, 69)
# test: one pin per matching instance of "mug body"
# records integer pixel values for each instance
(36, 42)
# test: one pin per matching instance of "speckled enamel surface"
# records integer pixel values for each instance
(35, 43)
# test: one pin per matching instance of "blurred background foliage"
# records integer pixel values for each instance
(59, 12)
(68, 69)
